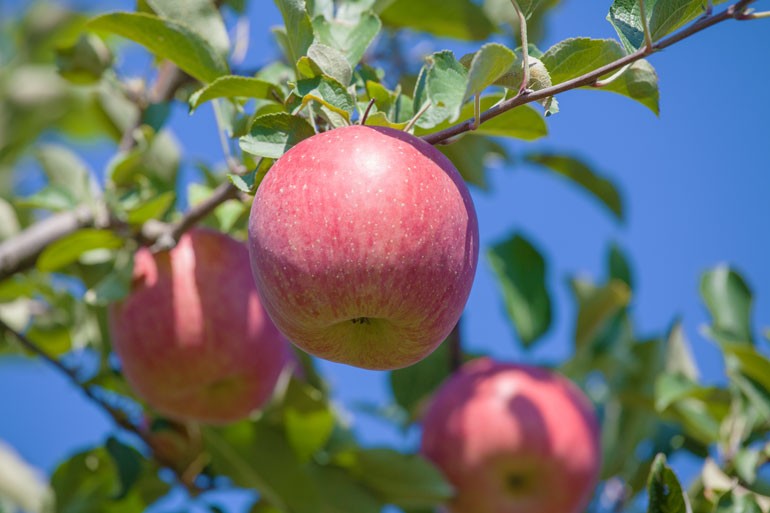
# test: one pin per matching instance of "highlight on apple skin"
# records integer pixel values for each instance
(364, 246)
(192, 336)
(513, 439)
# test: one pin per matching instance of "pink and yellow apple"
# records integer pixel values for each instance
(192, 336)
(513, 439)
(364, 246)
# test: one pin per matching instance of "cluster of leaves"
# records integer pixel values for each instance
(58, 83)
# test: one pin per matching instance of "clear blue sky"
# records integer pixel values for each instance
(695, 182)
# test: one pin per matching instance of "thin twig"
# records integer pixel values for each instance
(366, 112)
(735, 11)
(413, 121)
(524, 47)
(118, 416)
(607, 81)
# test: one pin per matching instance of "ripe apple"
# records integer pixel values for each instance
(513, 439)
(192, 336)
(364, 245)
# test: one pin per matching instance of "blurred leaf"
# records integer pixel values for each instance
(85, 61)
(581, 174)
(151, 209)
(65, 170)
(619, 268)
(572, 58)
(168, 40)
(21, 485)
(679, 357)
(351, 38)
(299, 29)
(9, 222)
(128, 462)
(597, 308)
(116, 285)
(521, 273)
(89, 482)
(414, 384)
(459, 19)
(343, 494)
(68, 249)
(665, 492)
(732, 502)
(471, 154)
(442, 82)
(272, 135)
(748, 361)
(308, 419)
(201, 16)
(232, 86)
(729, 300)
(488, 64)
(405, 480)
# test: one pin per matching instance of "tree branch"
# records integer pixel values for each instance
(735, 11)
(118, 416)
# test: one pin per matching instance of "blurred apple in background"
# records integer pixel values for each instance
(364, 245)
(192, 336)
(513, 439)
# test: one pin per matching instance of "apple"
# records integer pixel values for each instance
(192, 336)
(364, 246)
(513, 439)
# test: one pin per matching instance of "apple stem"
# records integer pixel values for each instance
(366, 112)
(423, 109)
(524, 47)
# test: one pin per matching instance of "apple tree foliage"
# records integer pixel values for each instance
(339, 60)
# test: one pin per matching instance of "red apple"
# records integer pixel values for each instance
(364, 245)
(192, 336)
(513, 439)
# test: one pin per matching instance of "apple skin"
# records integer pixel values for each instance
(364, 246)
(513, 439)
(192, 336)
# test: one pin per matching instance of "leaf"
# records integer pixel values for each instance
(679, 357)
(625, 17)
(491, 62)
(308, 419)
(67, 250)
(342, 494)
(459, 19)
(299, 29)
(749, 362)
(618, 266)
(521, 273)
(272, 135)
(405, 480)
(65, 171)
(116, 285)
(128, 462)
(664, 491)
(581, 174)
(201, 16)
(151, 209)
(328, 92)
(85, 61)
(412, 385)
(21, 485)
(233, 86)
(442, 82)
(597, 308)
(471, 154)
(168, 40)
(572, 58)
(729, 301)
(328, 61)
(350, 38)
(9, 222)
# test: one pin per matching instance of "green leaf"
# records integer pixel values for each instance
(67, 250)
(749, 362)
(168, 40)
(201, 16)
(735, 502)
(308, 419)
(328, 61)
(405, 480)
(459, 19)
(9, 222)
(65, 171)
(412, 385)
(521, 273)
(299, 29)
(116, 285)
(470, 156)
(625, 17)
(572, 58)
(151, 209)
(272, 135)
(85, 61)
(598, 307)
(582, 175)
(491, 62)
(342, 494)
(729, 301)
(679, 357)
(329, 93)
(618, 266)
(128, 462)
(233, 86)
(350, 38)
(442, 82)
(664, 491)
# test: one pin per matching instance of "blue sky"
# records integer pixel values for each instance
(695, 183)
